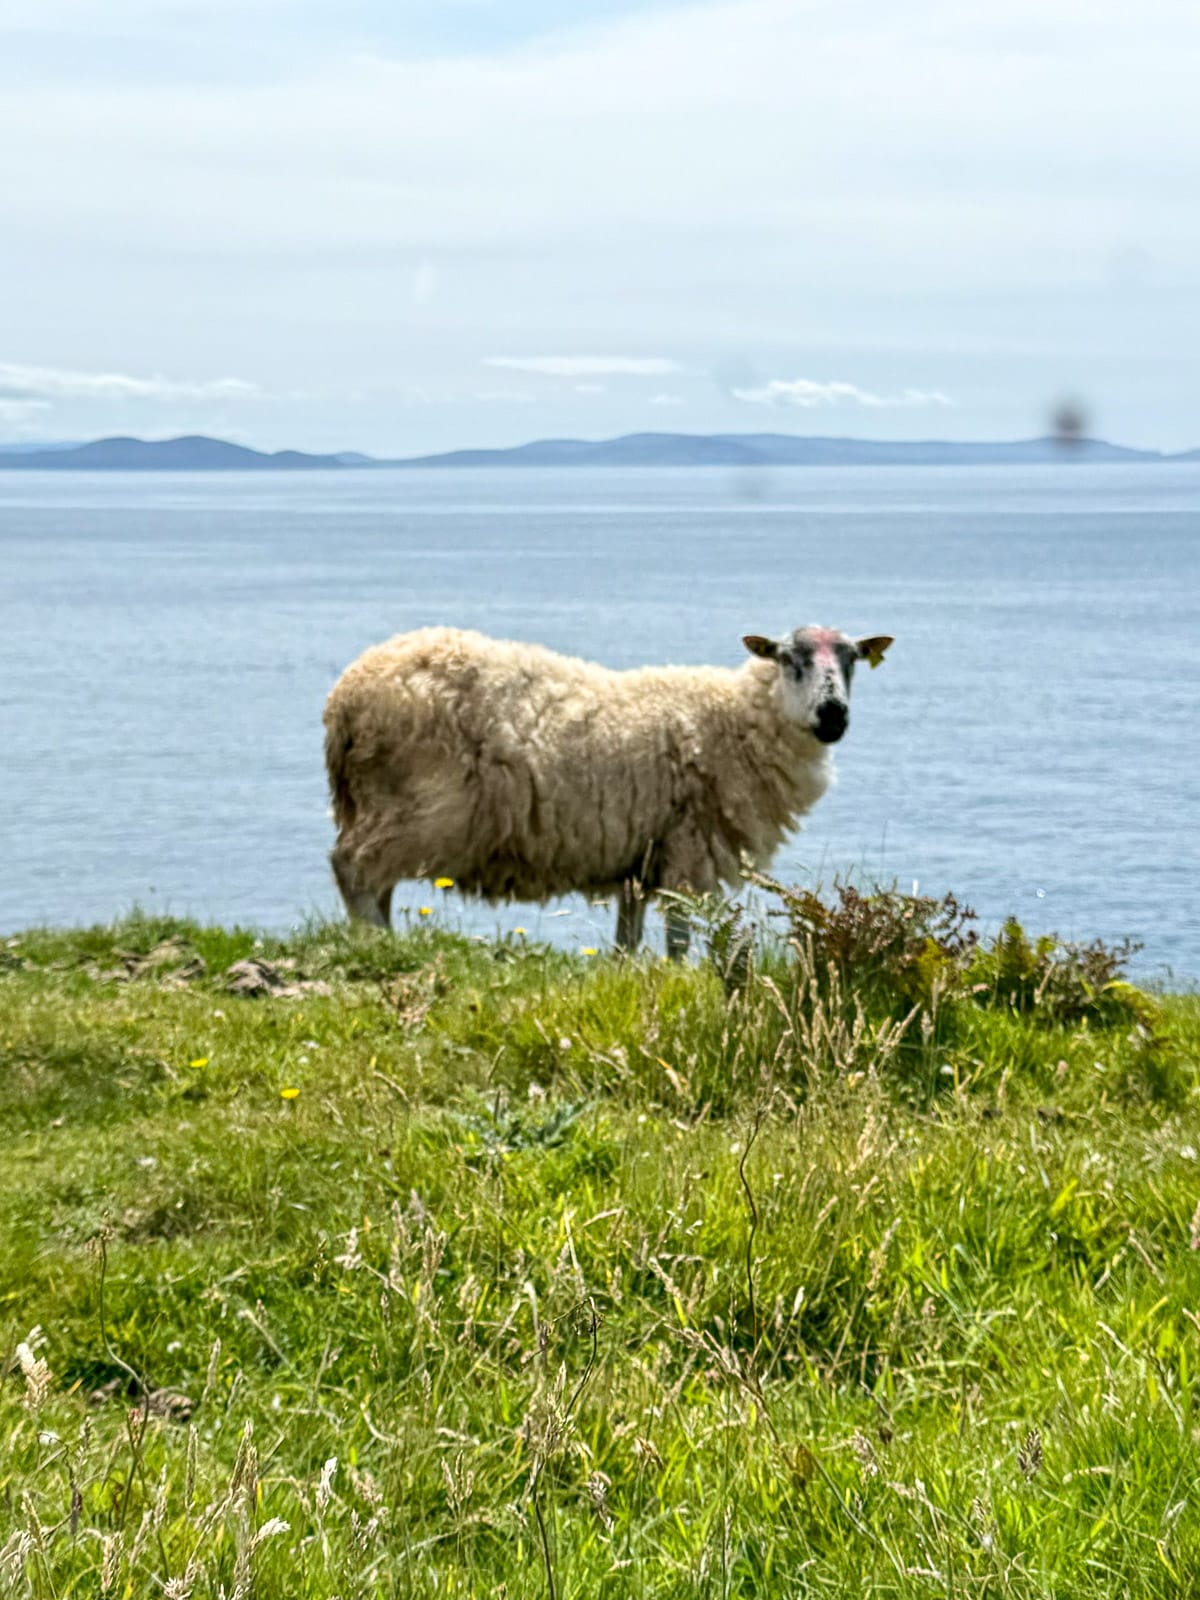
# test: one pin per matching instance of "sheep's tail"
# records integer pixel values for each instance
(338, 740)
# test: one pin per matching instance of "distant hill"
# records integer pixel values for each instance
(778, 450)
(196, 453)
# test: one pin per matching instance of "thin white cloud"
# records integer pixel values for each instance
(591, 388)
(807, 395)
(46, 384)
(587, 366)
(666, 399)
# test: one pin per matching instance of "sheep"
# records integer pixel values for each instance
(522, 774)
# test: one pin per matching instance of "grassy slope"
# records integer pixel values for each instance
(579, 1265)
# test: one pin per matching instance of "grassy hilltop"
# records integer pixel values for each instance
(415, 1266)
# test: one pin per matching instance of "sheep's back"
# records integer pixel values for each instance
(568, 772)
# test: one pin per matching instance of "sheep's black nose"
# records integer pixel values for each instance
(832, 717)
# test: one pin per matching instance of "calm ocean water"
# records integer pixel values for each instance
(1032, 742)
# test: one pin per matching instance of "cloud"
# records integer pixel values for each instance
(43, 385)
(807, 395)
(956, 184)
(566, 137)
(587, 366)
(666, 399)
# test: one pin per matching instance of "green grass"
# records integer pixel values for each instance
(594, 1277)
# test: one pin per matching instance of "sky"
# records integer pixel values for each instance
(409, 225)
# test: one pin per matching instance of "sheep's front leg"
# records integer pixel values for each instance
(688, 871)
(679, 934)
(631, 916)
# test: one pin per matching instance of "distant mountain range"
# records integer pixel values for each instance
(197, 453)
(194, 453)
(777, 450)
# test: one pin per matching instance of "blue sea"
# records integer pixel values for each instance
(1032, 741)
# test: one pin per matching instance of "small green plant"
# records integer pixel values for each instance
(898, 949)
(1058, 981)
(502, 1129)
(728, 933)
(894, 951)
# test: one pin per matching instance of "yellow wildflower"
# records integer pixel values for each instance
(589, 950)
(424, 911)
(288, 1094)
(200, 1061)
(520, 931)
(443, 883)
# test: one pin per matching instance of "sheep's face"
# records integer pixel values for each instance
(816, 666)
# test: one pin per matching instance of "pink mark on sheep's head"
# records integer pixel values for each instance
(816, 668)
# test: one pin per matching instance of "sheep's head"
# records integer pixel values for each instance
(816, 666)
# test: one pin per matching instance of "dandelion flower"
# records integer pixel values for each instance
(424, 911)
(289, 1094)
(443, 883)
(521, 931)
(588, 950)
(200, 1061)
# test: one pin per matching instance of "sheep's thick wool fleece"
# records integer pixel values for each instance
(523, 773)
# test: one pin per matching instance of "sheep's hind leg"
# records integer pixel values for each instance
(631, 916)
(362, 903)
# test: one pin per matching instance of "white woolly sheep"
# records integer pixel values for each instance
(523, 774)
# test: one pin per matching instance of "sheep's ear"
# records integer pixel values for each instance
(758, 646)
(874, 649)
